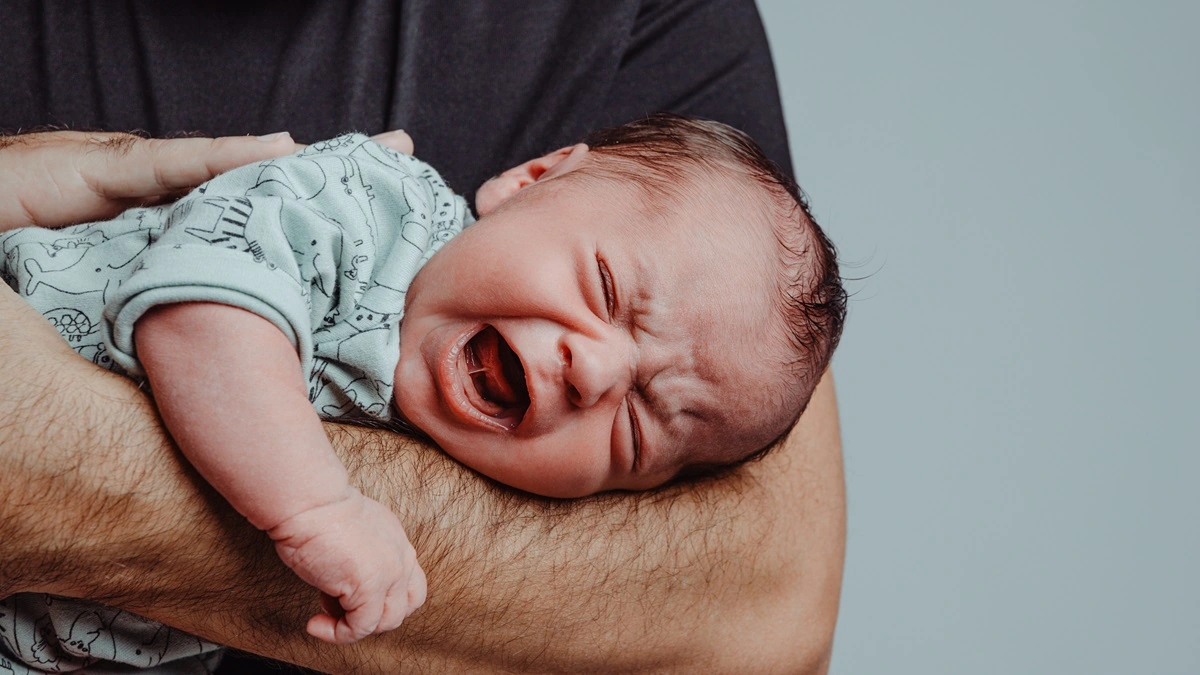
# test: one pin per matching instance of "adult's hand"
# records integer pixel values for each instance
(58, 178)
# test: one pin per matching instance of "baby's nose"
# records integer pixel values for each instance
(595, 369)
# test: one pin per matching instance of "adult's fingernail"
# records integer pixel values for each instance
(270, 138)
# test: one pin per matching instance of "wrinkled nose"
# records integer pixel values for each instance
(595, 368)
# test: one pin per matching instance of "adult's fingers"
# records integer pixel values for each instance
(63, 177)
(129, 167)
(398, 140)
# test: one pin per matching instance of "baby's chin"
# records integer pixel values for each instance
(554, 491)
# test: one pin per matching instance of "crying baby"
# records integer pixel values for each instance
(651, 303)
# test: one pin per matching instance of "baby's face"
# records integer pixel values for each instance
(567, 344)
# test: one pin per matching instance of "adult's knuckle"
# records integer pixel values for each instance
(118, 144)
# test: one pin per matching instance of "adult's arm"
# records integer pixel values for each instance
(741, 573)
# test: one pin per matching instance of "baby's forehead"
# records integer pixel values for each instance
(680, 188)
(721, 226)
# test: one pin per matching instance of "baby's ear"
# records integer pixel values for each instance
(500, 188)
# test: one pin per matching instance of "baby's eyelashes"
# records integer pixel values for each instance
(606, 283)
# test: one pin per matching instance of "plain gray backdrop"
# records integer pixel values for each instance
(1018, 183)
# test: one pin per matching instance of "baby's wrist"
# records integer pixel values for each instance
(314, 516)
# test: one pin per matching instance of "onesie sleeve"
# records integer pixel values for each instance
(217, 249)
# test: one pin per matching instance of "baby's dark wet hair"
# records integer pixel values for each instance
(665, 151)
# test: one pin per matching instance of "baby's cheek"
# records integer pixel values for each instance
(568, 471)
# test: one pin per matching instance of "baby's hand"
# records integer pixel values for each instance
(354, 551)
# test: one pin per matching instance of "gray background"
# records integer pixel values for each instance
(1018, 183)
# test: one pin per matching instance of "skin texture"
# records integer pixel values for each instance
(740, 574)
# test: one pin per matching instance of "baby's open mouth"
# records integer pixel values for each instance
(498, 378)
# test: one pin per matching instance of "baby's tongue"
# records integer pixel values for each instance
(496, 385)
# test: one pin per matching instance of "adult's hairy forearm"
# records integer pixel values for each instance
(734, 575)
(740, 572)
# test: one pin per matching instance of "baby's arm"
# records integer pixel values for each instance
(229, 387)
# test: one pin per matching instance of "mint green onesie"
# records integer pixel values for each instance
(323, 244)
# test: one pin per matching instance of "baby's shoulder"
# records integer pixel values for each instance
(359, 149)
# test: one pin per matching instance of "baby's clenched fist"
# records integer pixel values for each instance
(356, 553)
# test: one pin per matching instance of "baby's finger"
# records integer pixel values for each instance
(418, 588)
(394, 612)
(126, 167)
(398, 140)
(331, 606)
(396, 607)
(323, 627)
(360, 621)
(346, 632)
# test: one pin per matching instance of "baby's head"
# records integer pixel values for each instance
(653, 302)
